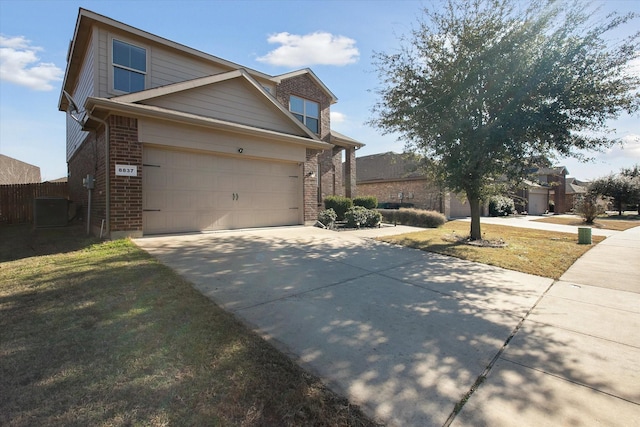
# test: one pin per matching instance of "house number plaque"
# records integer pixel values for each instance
(126, 170)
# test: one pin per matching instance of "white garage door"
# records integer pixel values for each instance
(185, 191)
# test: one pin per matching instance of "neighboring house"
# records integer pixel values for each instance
(398, 178)
(13, 171)
(574, 189)
(179, 140)
(545, 192)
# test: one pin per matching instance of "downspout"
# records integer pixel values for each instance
(107, 170)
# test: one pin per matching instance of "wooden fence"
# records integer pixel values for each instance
(16, 201)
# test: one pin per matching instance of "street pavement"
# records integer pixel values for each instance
(410, 335)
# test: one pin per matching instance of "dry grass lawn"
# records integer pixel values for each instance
(99, 333)
(616, 223)
(543, 253)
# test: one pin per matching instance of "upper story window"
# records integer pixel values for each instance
(129, 67)
(308, 112)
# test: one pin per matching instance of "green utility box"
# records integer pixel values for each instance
(584, 235)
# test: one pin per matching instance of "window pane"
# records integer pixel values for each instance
(120, 79)
(299, 117)
(137, 82)
(312, 109)
(296, 105)
(120, 53)
(138, 59)
(129, 56)
(312, 124)
(127, 81)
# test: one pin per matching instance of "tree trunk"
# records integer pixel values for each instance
(620, 207)
(474, 204)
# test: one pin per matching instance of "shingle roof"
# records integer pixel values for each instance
(573, 186)
(556, 170)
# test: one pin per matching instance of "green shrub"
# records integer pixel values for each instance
(369, 202)
(359, 216)
(327, 217)
(413, 217)
(501, 206)
(588, 208)
(374, 218)
(339, 204)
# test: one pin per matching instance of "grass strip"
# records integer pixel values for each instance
(543, 253)
(608, 223)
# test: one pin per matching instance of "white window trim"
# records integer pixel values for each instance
(110, 76)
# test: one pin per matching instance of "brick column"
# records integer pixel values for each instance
(125, 191)
(310, 187)
(350, 173)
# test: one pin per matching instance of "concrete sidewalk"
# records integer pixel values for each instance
(406, 334)
(576, 358)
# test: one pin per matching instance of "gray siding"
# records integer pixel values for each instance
(165, 65)
(83, 89)
(167, 134)
(232, 100)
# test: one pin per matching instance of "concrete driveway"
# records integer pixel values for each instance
(403, 333)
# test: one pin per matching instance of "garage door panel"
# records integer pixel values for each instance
(154, 177)
(224, 182)
(223, 200)
(155, 157)
(154, 199)
(194, 191)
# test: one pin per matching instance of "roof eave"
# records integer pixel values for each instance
(107, 107)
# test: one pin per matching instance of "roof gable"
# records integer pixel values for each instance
(233, 96)
(312, 76)
(88, 19)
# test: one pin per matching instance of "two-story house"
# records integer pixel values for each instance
(179, 140)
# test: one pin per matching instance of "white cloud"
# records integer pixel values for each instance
(319, 48)
(337, 117)
(631, 146)
(19, 64)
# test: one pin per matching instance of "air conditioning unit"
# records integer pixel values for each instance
(50, 212)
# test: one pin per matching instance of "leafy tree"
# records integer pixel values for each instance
(587, 206)
(634, 174)
(620, 188)
(483, 86)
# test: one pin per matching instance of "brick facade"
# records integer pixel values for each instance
(311, 187)
(417, 192)
(559, 195)
(329, 163)
(304, 87)
(89, 160)
(349, 179)
(126, 191)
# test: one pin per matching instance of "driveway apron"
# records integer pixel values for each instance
(403, 333)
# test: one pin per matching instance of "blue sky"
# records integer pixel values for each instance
(270, 36)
